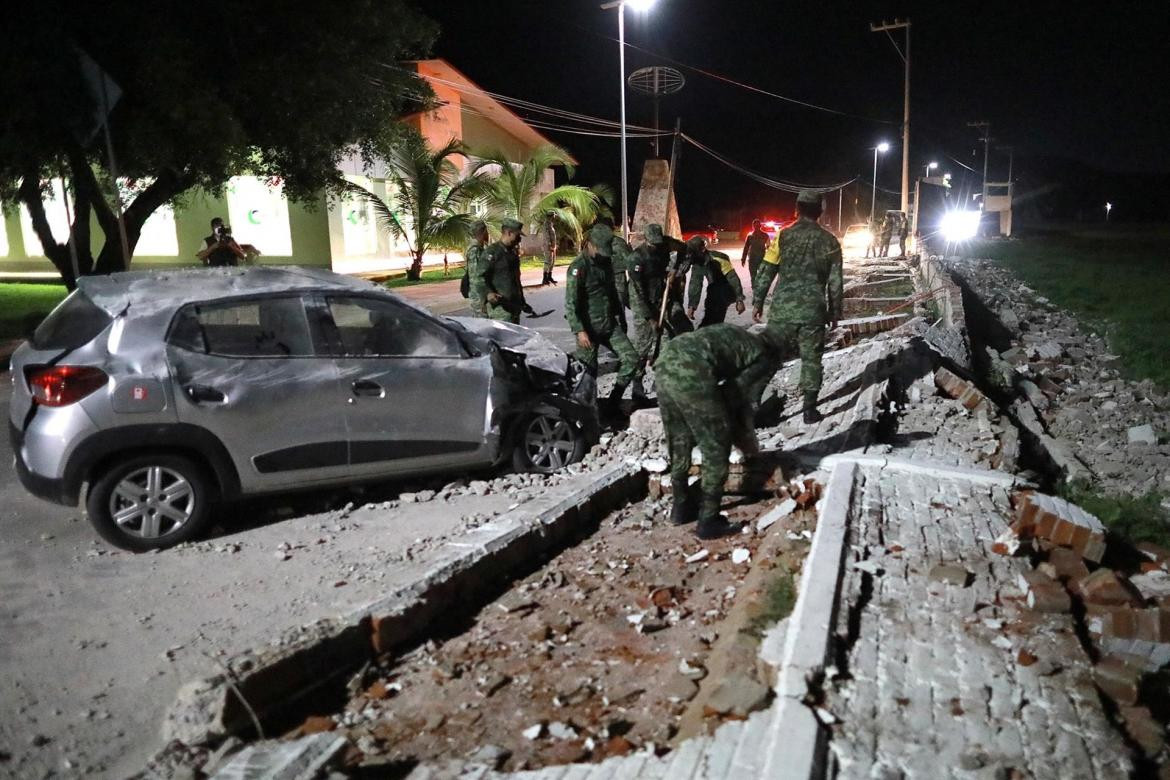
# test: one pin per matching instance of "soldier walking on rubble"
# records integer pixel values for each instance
(500, 271)
(592, 308)
(723, 285)
(709, 385)
(807, 260)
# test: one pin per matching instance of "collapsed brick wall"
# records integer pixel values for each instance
(949, 334)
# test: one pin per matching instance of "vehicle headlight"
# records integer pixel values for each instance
(959, 226)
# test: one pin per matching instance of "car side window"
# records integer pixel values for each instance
(372, 328)
(259, 328)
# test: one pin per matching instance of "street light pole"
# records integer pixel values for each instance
(620, 5)
(885, 27)
(882, 147)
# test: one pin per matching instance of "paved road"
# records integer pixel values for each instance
(94, 642)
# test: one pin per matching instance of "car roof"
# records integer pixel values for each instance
(154, 290)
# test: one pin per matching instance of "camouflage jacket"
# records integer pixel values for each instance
(722, 280)
(735, 359)
(591, 299)
(648, 269)
(807, 260)
(472, 258)
(500, 271)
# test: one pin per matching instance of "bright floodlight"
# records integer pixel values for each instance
(932, 166)
(1108, 206)
(640, 5)
(957, 226)
(883, 147)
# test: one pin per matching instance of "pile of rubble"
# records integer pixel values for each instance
(1125, 618)
(1118, 428)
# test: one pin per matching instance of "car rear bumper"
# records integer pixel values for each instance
(48, 488)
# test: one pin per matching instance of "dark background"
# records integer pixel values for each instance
(1078, 89)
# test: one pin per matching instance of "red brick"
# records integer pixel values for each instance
(1154, 552)
(1119, 679)
(1068, 564)
(1104, 587)
(1144, 729)
(1044, 594)
(1059, 522)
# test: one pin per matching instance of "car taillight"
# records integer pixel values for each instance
(63, 385)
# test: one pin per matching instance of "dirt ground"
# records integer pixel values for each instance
(602, 651)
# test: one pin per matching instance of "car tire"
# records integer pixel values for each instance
(151, 502)
(546, 442)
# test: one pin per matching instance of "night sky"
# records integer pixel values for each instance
(1077, 82)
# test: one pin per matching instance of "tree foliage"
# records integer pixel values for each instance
(209, 90)
(515, 193)
(433, 200)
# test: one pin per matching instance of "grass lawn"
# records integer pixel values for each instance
(23, 306)
(1116, 279)
(430, 276)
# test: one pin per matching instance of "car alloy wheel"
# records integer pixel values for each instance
(550, 443)
(152, 502)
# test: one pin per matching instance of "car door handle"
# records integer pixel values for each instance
(203, 394)
(368, 387)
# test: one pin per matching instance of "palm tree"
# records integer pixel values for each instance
(515, 193)
(432, 198)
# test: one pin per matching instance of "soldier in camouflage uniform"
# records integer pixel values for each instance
(753, 250)
(649, 267)
(887, 231)
(807, 259)
(500, 271)
(723, 285)
(473, 269)
(620, 255)
(592, 307)
(709, 385)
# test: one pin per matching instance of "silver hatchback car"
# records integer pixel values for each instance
(153, 395)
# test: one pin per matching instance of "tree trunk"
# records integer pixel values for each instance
(414, 273)
(58, 254)
(166, 186)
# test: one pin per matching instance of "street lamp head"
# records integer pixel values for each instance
(932, 166)
(883, 147)
(1108, 206)
(947, 176)
(640, 5)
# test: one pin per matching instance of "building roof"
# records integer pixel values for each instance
(477, 99)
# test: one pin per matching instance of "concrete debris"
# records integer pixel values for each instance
(740, 555)
(701, 555)
(1142, 434)
(534, 732)
(952, 574)
(1141, 634)
(1043, 593)
(737, 696)
(1104, 588)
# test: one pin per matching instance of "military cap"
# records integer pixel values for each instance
(512, 224)
(696, 242)
(809, 196)
(654, 234)
(601, 236)
(478, 226)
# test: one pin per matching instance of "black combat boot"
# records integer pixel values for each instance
(683, 509)
(639, 395)
(811, 415)
(715, 526)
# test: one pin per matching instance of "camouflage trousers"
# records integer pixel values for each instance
(498, 312)
(629, 359)
(477, 302)
(694, 414)
(645, 335)
(807, 338)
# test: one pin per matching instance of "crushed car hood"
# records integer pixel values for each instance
(538, 351)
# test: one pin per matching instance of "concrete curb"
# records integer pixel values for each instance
(796, 744)
(273, 678)
(925, 467)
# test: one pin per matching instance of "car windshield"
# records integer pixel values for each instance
(76, 321)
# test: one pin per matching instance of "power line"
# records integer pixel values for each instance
(778, 184)
(740, 84)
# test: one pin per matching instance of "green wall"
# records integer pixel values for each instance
(308, 226)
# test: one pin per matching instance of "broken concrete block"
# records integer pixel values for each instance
(647, 423)
(960, 389)
(1142, 434)
(1044, 594)
(1119, 679)
(1153, 584)
(737, 696)
(1060, 522)
(952, 574)
(1049, 350)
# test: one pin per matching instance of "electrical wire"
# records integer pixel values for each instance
(778, 184)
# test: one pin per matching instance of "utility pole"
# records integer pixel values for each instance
(885, 27)
(985, 126)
